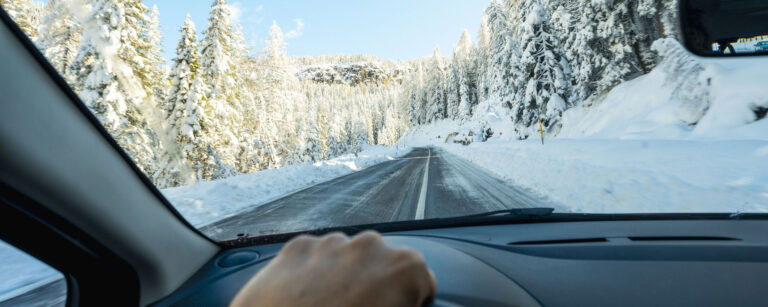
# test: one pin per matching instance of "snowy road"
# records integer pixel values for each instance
(50, 294)
(395, 190)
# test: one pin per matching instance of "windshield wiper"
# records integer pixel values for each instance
(499, 217)
(518, 212)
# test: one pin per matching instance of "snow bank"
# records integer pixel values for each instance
(488, 113)
(683, 138)
(623, 176)
(683, 98)
(20, 272)
(206, 202)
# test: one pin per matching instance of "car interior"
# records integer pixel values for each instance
(71, 197)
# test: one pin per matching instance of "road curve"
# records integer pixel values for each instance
(394, 190)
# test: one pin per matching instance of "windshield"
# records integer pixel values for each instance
(265, 117)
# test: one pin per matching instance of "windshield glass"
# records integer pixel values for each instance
(264, 117)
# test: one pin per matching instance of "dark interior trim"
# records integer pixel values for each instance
(94, 274)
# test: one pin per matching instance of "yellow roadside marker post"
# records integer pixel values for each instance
(541, 129)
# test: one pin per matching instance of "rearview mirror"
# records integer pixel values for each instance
(725, 27)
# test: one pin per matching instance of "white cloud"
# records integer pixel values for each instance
(248, 17)
(245, 15)
(296, 32)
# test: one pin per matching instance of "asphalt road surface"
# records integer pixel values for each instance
(426, 183)
(50, 294)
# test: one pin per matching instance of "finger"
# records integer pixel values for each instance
(368, 235)
(331, 242)
(410, 269)
(366, 240)
(300, 245)
(424, 278)
(427, 284)
(432, 285)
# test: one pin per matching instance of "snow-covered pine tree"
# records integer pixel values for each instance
(274, 74)
(348, 136)
(337, 136)
(652, 19)
(218, 72)
(25, 13)
(305, 146)
(339, 115)
(503, 72)
(417, 98)
(600, 43)
(183, 116)
(480, 59)
(156, 77)
(247, 153)
(59, 36)
(266, 138)
(562, 18)
(617, 35)
(359, 137)
(669, 18)
(388, 134)
(252, 156)
(459, 79)
(436, 107)
(586, 53)
(646, 28)
(544, 70)
(282, 94)
(323, 134)
(466, 76)
(452, 84)
(106, 77)
(183, 72)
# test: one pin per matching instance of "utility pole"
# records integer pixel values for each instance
(541, 130)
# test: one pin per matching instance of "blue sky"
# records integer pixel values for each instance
(389, 29)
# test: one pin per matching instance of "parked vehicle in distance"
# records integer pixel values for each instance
(463, 137)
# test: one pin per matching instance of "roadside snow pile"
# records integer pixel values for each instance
(687, 137)
(487, 114)
(685, 97)
(622, 176)
(20, 272)
(207, 202)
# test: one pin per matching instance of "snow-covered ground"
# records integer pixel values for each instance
(622, 176)
(20, 272)
(206, 202)
(684, 98)
(683, 138)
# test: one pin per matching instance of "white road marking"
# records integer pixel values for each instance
(421, 207)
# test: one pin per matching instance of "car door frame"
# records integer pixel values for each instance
(96, 273)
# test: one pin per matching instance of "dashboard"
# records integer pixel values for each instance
(617, 263)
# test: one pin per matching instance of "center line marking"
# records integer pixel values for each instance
(421, 206)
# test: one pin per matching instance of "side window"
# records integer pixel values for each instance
(26, 281)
